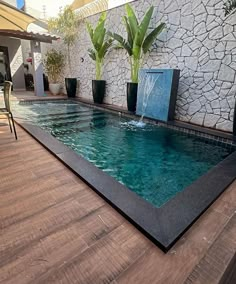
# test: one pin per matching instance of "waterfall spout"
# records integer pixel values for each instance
(149, 84)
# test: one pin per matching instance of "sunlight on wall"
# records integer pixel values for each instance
(116, 3)
(16, 61)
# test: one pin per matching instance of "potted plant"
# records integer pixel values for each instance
(101, 44)
(137, 45)
(66, 26)
(53, 63)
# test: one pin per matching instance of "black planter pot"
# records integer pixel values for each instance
(98, 87)
(132, 90)
(234, 122)
(71, 85)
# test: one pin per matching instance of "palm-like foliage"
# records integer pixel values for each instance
(101, 44)
(229, 7)
(138, 41)
(65, 25)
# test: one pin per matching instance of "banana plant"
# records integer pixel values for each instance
(139, 41)
(101, 43)
(230, 6)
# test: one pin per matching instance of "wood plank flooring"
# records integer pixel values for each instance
(55, 229)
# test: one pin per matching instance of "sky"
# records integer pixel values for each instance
(20, 3)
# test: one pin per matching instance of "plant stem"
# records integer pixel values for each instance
(69, 61)
(135, 65)
(99, 68)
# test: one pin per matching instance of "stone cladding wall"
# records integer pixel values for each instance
(199, 40)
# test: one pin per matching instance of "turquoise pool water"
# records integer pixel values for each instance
(153, 161)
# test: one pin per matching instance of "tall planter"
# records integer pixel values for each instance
(234, 122)
(132, 90)
(98, 88)
(71, 85)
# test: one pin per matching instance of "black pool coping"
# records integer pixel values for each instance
(164, 225)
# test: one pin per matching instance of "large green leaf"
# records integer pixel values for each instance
(92, 54)
(99, 35)
(100, 43)
(128, 30)
(142, 30)
(90, 30)
(132, 19)
(102, 18)
(122, 42)
(101, 39)
(152, 37)
(99, 32)
(107, 44)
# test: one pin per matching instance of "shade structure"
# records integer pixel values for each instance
(80, 3)
(14, 23)
(29, 35)
(14, 19)
(87, 8)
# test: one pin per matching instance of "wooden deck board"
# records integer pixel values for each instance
(55, 229)
(209, 269)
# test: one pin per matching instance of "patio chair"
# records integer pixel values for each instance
(7, 109)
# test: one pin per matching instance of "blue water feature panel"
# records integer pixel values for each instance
(157, 92)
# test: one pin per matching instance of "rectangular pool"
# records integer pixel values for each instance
(154, 162)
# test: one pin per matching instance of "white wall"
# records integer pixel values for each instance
(16, 61)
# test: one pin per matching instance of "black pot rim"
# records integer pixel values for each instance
(99, 80)
(71, 78)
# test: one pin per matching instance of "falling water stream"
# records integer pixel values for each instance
(150, 82)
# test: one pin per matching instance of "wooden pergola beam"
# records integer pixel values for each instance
(28, 35)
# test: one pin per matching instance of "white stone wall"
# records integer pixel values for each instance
(199, 41)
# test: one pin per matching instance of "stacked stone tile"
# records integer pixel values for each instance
(199, 41)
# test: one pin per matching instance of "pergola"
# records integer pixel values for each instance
(14, 23)
(28, 35)
(87, 8)
(80, 3)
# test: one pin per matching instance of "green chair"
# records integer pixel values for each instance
(7, 109)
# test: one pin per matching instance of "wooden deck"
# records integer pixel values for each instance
(55, 229)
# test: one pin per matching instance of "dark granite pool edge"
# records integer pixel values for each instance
(164, 225)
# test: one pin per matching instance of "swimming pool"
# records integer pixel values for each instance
(154, 162)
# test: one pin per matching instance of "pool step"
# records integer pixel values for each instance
(73, 120)
(60, 116)
(80, 127)
(68, 118)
